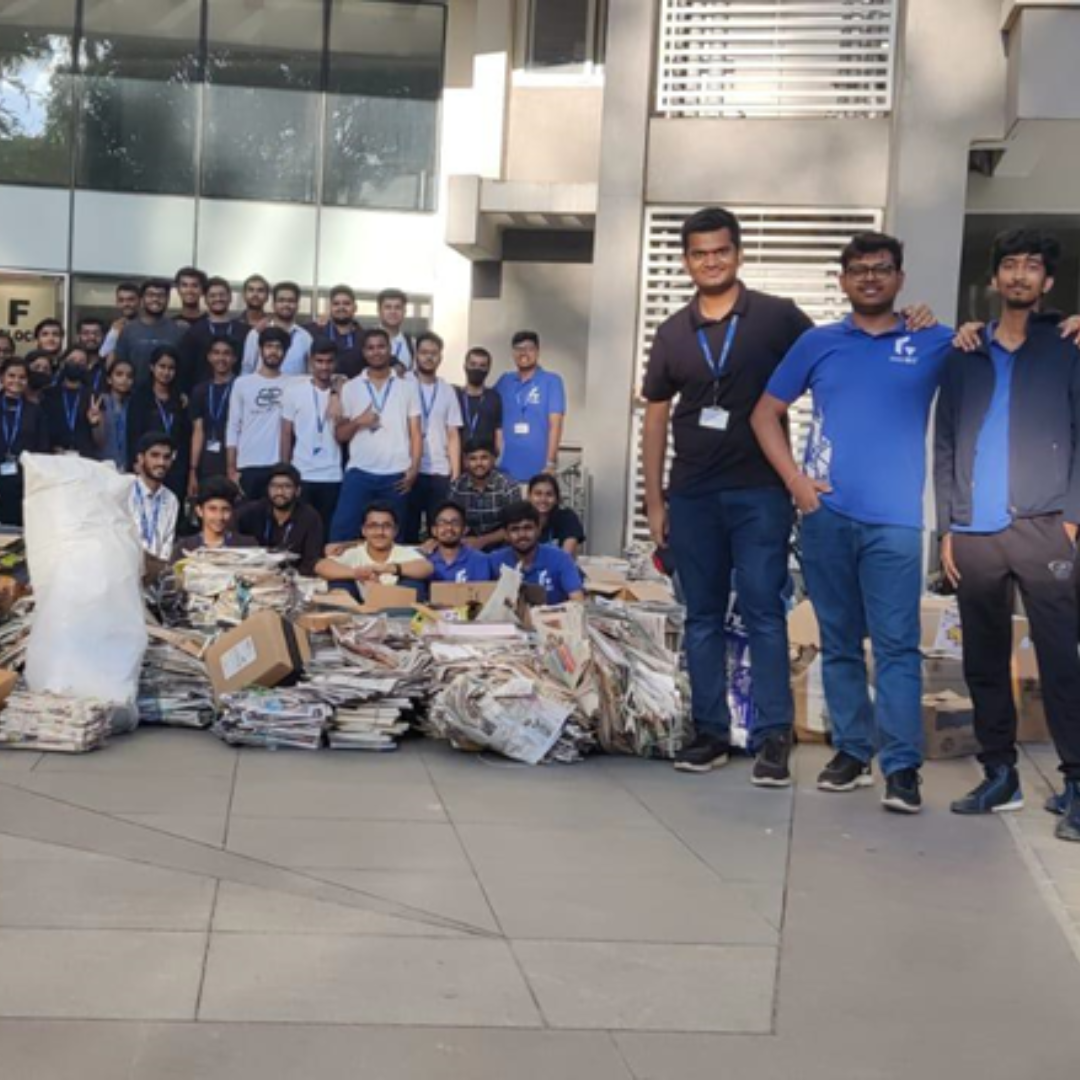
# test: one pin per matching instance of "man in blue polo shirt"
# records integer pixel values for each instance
(861, 495)
(533, 411)
(454, 560)
(539, 564)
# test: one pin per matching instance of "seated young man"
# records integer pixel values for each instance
(453, 559)
(281, 522)
(214, 507)
(376, 558)
(483, 492)
(539, 564)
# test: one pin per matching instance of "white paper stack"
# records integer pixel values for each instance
(274, 719)
(55, 724)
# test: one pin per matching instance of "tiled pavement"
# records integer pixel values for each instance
(170, 907)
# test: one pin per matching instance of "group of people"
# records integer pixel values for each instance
(722, 375)
(287, 435)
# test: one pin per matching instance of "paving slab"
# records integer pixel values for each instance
(132, 792)
(207, 829)
(338, 796)
(151, 750)
(365, 980)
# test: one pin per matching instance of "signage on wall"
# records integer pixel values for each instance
(24, 302)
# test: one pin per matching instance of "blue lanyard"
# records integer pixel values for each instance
(379, 403)
(12, 427)
(320, 415)
(71, 411)
(226, 327)
(523, 406)
(426, 406)
(270, 528)
(717, 366)
(349, 338)
(120, 430)
(217, 411)
(167, 418)
(472, 417)
(147, 526)
(96, 381)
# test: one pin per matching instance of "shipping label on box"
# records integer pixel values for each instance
(939, 622)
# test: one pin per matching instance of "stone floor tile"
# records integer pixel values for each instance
(151, 751)
(203, 828)
(133, 792)
(337, 796)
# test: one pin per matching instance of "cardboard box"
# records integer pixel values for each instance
(8, 679)
(948, 726)
(941, 674)
(802, 627)
(1031, 726)
(811, 713)
(602, 581)
(939, 623)
(379, 597)
(320, 622)
(263, 650)
(453, 594)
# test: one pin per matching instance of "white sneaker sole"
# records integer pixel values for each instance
(1009, 807)
(898, 806)
(688, 767)
(865, 780)
(770, 781)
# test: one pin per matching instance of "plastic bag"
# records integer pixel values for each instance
(89, 631)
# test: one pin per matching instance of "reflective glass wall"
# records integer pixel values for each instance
(278, 100)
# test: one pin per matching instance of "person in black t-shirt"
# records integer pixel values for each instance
(559, 525)
(281, 522)
(215, 325)
(343, 330)
(209, 413)
(161, 407)
(214, 506)
(68, 406)
(481, 406)
(22, 427)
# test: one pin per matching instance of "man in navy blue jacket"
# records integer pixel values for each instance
(1007, 477)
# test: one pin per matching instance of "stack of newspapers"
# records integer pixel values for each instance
(223, 586)
(275, 719)
(51, 723)
(174, 687)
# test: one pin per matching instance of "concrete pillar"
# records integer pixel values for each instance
(617, 268)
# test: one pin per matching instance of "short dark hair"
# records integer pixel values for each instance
(324, 346)
(547, 478)
(165, 350)
(119, 361)
(13, 361)
(127, 286)
(524, 336)
(191, 271)
(391, 294)
(76, 348)
(711, 219)
(217, 487)
(155, 283)
(286, 286)
(90, 320)
(342, 290)
(47, 323)
(152, 439)
(449, 504)
(378, 507)
(1025, 241)
(38, 354)
(429, 335)
(479, 350)
(283, 468)
(274, 333)
(252, 278)
(869, 243)
(519, 511)
(214, 282)
(228, 342)
(476, 446)
(376, 331)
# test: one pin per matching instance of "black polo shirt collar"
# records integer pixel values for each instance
(740, 308)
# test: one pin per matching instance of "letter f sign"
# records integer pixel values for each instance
(16, 310)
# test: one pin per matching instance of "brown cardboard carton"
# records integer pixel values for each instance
(8, 679)
(263, 650)
(338, 599)
(1031, 726)
(378, 597)
(802, 626)
(940, 673)
(460, 594)
(320, 622)
(948, 726)
(602, 581)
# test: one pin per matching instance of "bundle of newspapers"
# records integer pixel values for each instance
(174, 687)
(221, 587)
(283, 718)
(15, 634)
(51, 723)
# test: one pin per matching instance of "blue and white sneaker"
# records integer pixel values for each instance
(998, 793)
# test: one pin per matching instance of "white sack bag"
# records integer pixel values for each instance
(85, 560)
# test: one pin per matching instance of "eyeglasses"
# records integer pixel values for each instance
(862, 272)
(447, 523)
(380, 526)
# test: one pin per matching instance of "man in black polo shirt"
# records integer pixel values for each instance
(481, 406)
(281, 522)
(727, 512)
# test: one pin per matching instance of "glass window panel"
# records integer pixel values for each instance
(386, 65)
(35, 91)
(264, 67)
(559, 35)
(140, 62)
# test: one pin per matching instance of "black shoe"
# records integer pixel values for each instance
(1068, 828)
(845, 773)
(771, 764)
(704, 753)
(1000, 791)
(902, 792)
(1057, 803)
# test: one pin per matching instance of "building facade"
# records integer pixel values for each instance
(526, 163)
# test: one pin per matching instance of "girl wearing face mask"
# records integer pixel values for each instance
(22, 427)
(161, 407)
(67, 407)
(111, 431)
(559, 525)
(41, 375)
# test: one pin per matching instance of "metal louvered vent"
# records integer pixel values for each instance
(776, 57)
(792, 253)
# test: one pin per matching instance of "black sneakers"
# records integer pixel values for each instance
(1068, 828)
(844, 773)
(771, 764)
(1057, 803)
(998, 793)
(704, 753)
(902, 794)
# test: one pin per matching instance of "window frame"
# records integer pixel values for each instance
(591, 72)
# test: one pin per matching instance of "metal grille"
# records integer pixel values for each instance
(776, 57)
(793, 253)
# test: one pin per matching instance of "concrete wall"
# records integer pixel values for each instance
(1044, 77)
(554, 134)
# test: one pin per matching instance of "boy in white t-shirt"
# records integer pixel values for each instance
(310, 413)
(440, 425)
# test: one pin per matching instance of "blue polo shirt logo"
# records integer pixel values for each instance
(904, 352)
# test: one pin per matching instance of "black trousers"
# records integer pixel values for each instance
(1035, 555)
(426, 494)
(322, 497)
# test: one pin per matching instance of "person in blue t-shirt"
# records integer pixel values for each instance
(533, 411)
(454, 560)
(860, 492)
(538, 564)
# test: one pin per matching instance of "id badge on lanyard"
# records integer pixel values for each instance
(715, 417)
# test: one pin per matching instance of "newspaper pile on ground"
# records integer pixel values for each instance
(15, 633)
(54, 724)
(289, 718)
(174, 687)
(223, 586)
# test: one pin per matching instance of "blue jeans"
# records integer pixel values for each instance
(868, 579)
(713, 534)
(358, 491)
